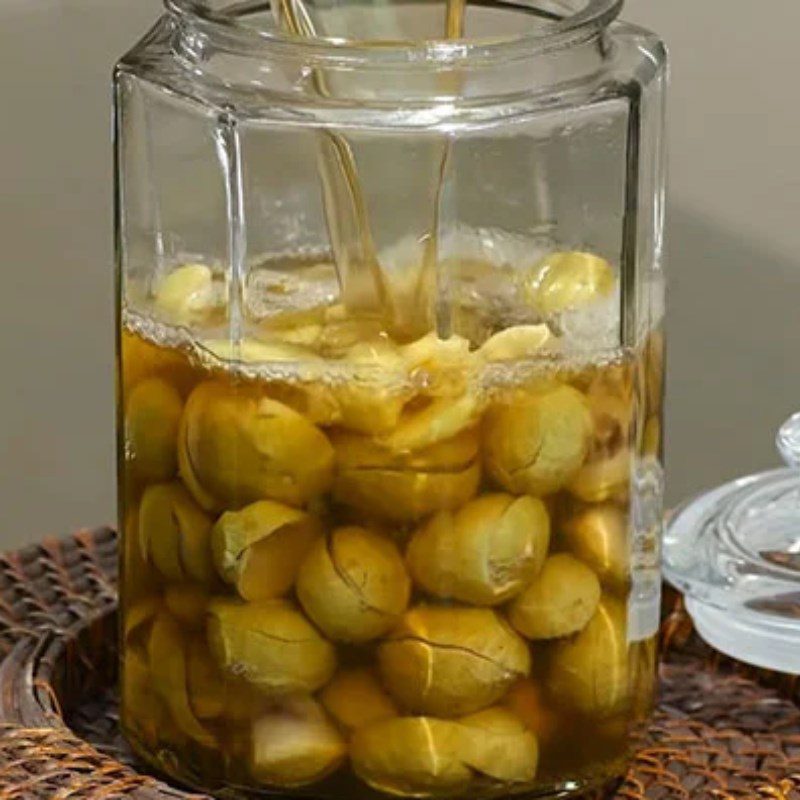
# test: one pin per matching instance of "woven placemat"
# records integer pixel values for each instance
(722, 730)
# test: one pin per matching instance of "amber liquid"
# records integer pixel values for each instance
(363, 282)
(202, 688)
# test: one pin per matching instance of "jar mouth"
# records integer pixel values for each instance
(563, 23)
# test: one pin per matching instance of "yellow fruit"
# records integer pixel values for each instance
(566, 281)
(589, 673)
(174, 534)
(355, 698)
(514, 344)
(560, 601)
(450, 661)
(142, 359)
(404, 487)
(187, 602)
(526, 700)
(598, 481)
(259, 549)
(137, 615)
(497, 744)
(139, 581)
(205, 683)
(442, 419)
(354, 585)
(374, 389)
(237, 446)
(167, 655)
(295, 745)
(651, 439)
(598, 535)
(411, 756)
(441, 366)
(152, 416)
(186, 295)
(483, 554)
(270, 644)
(141, 708)
(537, 445)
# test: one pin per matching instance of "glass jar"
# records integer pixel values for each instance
(390, 402)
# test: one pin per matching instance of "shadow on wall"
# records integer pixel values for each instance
(734, 353)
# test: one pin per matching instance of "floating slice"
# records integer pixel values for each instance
(187, 295)
(570, 280)
(442, 419)
(514, 344)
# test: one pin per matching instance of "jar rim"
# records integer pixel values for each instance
(569, 30)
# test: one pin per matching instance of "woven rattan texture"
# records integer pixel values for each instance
(722, 731)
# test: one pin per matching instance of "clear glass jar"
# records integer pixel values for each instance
(390, 405)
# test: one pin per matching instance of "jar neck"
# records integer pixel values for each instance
(565, 44)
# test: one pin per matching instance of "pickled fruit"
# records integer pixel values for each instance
(589, 673)
(295, 744)
(411, 755)
(259, 549)
(186, 295)
(174, 534)
(353, 585)
(372, 397)
(483, 554)
(355, 698)
(239, 446)
(497, 744)
(404, 487)
(513, 344)
(152, 417)
(350, 575)
(442, 366)
(448, 661)
(598, 481)
(187, 602)
(270, 644)
(205, 683)
(560, 601)
(565, 281)
(167, 656)
(598, 535)
(142, 708)
(537, 445)
(439, 421)
(527, 700)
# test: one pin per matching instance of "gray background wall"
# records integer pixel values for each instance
(734, 236)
